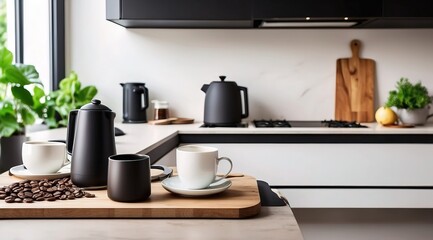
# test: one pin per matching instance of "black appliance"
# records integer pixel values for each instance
(90, 141)
(224, 105)
(135, 102)
(270, 13)
(306, 124)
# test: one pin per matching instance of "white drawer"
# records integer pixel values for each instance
(334, 164)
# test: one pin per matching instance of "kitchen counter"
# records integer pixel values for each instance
(145, 138)
(271, 223)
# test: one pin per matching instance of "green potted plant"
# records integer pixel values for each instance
(21, 97)
(69, 96)
(411, 102)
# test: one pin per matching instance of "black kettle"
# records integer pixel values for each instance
(90, 141)
(223, 103)
(135, 102)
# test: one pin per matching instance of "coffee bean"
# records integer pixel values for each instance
(37, 195)
(40, 190)
(89, 195)
(9, 199)
(51, 199)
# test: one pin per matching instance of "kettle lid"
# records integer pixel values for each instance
(95, 105)
(223, 81)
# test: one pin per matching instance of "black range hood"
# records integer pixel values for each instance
(271, 13)
(180, 13)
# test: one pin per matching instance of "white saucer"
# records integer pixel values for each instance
(174, 185)
(21, 172)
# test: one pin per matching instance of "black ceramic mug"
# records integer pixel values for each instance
(128, 177)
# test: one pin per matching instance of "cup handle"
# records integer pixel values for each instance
(66, 161)
(231, 167)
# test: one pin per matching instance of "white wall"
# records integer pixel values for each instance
(289, 73)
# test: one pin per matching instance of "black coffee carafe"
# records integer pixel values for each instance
(90, 141)
(135, 102)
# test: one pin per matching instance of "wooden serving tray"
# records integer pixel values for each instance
(241, 200)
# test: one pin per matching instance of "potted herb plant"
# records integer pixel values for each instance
(21, 97)
(70, 95)
(411, 102)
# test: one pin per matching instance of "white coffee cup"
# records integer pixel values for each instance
(197, 165)
(41, 157)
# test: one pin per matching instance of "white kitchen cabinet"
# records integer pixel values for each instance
(339, 175)
(334, 164)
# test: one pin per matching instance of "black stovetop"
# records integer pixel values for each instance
(307, 124)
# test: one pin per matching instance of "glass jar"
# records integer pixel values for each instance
(160, 109)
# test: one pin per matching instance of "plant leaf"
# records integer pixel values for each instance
(75, 87)
(14, 75)
(23, 94)
(29, 71)
(38, 93)
(27, 116)
(8, 125)
(6, 58)
(65, 85)
(86, 94)
(6, 107)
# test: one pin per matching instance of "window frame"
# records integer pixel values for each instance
(57, 39)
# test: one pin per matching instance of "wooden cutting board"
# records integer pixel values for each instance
(241, 200)
(354, 99)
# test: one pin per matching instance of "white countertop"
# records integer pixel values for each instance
(271, 223)
(145, 137)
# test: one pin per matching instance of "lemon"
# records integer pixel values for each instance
(385, 116)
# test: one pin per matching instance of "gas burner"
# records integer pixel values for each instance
(271, 123)
(235, 125)
(306, 124)
(342, 124)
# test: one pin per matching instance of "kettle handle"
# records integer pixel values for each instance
(146, 98)
(244, 90)
(71, 130)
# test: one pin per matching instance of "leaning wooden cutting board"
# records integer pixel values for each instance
(354, 99)
(241, 200)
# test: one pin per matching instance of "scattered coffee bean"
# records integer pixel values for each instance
(9, 199)
(51, 199)
(42, 190)
(89, 195)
